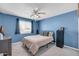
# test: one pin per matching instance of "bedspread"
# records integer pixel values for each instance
(34, 42)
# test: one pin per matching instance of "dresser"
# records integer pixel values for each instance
(60, 38)
(6, 46)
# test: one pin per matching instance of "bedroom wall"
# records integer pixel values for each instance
(69, 21)
(9, 24)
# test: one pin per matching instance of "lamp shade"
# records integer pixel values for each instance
(1, 30)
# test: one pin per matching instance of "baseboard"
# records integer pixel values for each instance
(71, 47)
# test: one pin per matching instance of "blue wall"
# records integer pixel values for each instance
(69, 21)
(9, 24)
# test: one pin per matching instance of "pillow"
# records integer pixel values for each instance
(45, 33)
(41, 33)
(50, 33)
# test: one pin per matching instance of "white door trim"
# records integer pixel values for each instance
(78, 32)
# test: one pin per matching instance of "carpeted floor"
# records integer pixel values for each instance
(52, 50)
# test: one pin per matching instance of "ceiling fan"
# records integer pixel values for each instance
(37, 13)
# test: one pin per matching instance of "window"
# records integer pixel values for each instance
(25, 26)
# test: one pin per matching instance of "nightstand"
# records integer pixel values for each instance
(6, 46)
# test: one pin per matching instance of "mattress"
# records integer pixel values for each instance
(34, 42)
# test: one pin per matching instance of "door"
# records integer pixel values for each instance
(78, 32)
(78, 25)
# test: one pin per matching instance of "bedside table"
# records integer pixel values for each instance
(6, 46)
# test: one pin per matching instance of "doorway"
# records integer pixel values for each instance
(78, 25)
(78, 32)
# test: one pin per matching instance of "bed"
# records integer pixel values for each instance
(34, 42)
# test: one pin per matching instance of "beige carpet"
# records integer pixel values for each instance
(52, 50)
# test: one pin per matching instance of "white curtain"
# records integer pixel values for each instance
(78, 32)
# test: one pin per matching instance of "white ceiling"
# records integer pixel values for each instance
(25, 9)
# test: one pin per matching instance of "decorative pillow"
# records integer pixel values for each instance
(41, 33)
(50, 33)
(45, 33)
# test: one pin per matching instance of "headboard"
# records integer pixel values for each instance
(45, 33)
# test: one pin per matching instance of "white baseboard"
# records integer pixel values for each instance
(71, 47)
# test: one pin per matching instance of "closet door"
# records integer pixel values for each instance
(78, 25)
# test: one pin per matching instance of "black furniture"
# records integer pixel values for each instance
(5, 46)
(60, 38)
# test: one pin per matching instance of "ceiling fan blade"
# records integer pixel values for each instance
(35, 10)
(41, 13)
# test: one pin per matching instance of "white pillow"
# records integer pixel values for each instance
(1, 36)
